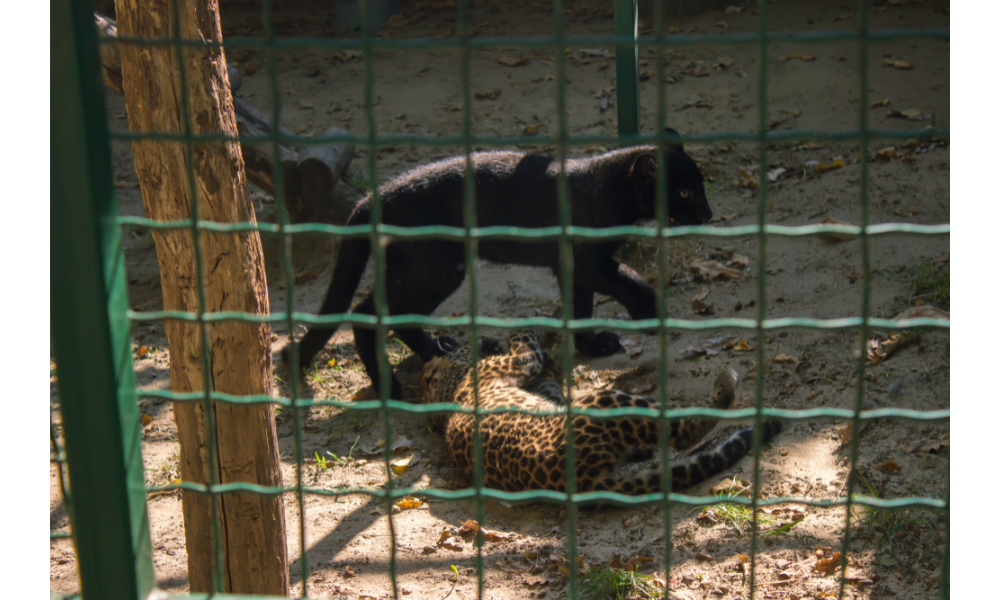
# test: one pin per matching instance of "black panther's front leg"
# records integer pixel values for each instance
(592, 343)
(626, 286)
(621, 283)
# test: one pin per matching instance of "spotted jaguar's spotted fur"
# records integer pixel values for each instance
(528, 452)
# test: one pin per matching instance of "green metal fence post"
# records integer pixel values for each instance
(90, 329)
(627, 67)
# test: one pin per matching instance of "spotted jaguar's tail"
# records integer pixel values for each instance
(699, 467)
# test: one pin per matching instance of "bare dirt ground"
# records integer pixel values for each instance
(348, 538)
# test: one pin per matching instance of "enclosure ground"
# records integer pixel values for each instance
(810, 87)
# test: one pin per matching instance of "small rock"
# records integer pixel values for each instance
(429, 550)
(702, 556)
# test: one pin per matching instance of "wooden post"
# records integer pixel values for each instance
(253, 526)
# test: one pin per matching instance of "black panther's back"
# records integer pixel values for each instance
(512, 189)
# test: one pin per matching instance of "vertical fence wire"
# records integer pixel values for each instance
(293, 370)
(662, 310)
(862, 341)
(762, 208)
(470, 220)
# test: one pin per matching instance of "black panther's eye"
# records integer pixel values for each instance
(685, 193)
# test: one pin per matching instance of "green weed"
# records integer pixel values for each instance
(601, 583)
(932, 284)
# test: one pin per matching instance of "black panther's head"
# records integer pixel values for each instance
(686, 201)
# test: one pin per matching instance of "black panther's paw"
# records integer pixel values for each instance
(603, 343)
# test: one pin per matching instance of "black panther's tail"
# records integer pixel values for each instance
(351, 262)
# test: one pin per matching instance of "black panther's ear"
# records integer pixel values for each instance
(672, 138)
(644, 166)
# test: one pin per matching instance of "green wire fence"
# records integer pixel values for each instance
(98, 395)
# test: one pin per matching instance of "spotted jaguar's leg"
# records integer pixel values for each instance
(524, 358)
(685, 433)
(548, 384)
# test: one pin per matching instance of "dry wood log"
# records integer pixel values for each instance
(315, 172)
(319, 169)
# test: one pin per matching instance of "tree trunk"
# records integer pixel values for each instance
(252, 525)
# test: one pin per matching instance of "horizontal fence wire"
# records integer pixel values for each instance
(565, 233)
(543, 42)
(536, 141)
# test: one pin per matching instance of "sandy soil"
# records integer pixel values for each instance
(419, 94)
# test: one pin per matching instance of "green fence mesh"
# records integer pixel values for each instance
(627, 43)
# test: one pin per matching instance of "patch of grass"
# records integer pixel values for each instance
(360, 183)
(740, 516)
(932, 284)
(602, 583)
(899, 536)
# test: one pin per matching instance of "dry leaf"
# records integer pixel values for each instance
(146, 419)
(535, 580)
(530, 129)
(401, 443)
(400, 465)
(508, 567)
(142, 352)
(711, 346)
(395, 22)
(702, 71)
(880, 103)
(898, 64)
(828, 565)
(885, 154)
(922, 312)
(784, 358)
(797, 56)
(487, 95)
(408, 502)
(700, 308)
(470, 527)
(912, 114)
(701, 295)
(743, 346)
(732, 487)
(513, 61)
(823, 167)
(889, 467)
(373, 449)
(631, 346)
(710, 270)
(835, 236)
(748, 176)
(738, 261)
(845, 433)
(449, 541)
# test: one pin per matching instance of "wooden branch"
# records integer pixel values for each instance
(310, 177)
